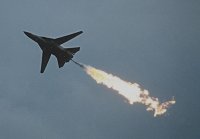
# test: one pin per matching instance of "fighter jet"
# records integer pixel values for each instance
(53, 46)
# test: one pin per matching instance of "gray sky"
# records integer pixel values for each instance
(152, 42)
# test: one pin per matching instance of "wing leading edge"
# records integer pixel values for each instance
(45, 59)
(64, 39)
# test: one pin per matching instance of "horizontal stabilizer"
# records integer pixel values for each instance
(73, 50)
(61, 62)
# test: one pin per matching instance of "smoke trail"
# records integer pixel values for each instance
(130, 91)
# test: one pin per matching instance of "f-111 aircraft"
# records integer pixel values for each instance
(53, 46)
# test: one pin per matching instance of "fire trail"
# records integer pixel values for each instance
(132, 92)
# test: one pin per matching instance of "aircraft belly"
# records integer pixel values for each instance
(56, 51)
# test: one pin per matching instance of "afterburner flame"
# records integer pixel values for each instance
(130, 91)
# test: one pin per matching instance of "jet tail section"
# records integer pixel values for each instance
(68, 56)
(61, 62)
(72, 50)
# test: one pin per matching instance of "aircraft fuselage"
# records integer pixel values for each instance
(49, 45)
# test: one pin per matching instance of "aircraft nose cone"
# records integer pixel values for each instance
(27, 33)
(31, 36)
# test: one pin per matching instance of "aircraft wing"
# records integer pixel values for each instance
(45, 59)
(64, 39)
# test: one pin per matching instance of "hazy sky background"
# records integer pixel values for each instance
(152, 42)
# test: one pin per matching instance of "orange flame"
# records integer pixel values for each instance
(130, 91)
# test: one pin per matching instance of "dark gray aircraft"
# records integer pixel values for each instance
(53, 46)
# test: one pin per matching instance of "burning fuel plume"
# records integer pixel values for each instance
(132, 92)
